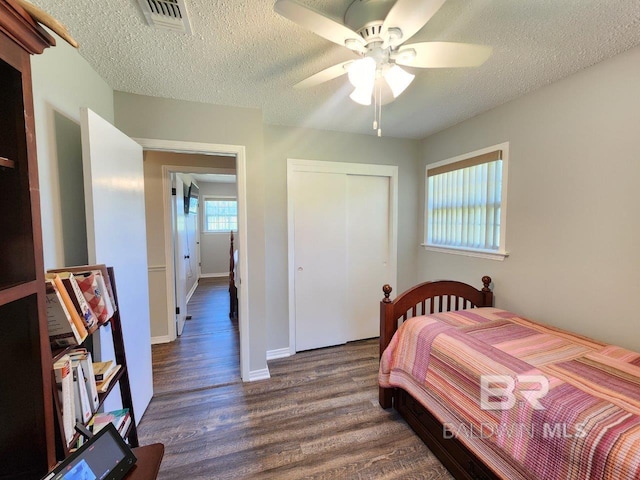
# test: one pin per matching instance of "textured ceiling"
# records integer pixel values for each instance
(243, 54)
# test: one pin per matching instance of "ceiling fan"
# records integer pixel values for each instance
(376, 30)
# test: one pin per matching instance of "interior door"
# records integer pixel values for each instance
(116, 236)
(320, 256)
(179, 232)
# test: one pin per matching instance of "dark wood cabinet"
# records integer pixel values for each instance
(27, 436)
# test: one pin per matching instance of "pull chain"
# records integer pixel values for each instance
(377, 110)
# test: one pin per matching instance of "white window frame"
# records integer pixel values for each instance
(204, 213)
(499, 254)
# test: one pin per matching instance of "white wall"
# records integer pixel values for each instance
(573, 217)
(214, 247)
(62, 83)
(284, 142)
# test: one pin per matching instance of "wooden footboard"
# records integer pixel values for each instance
(425, 299)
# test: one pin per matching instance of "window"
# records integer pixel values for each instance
(220, 214)
(466, 204)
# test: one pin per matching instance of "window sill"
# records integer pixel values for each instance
(487, 254)
(220, 232)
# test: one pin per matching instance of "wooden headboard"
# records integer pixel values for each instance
(424, 299)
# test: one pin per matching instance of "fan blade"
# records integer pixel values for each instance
(443, 55)
(324, 76)
(320, 25)
(410, 16)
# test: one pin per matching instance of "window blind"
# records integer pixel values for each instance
(464, 203)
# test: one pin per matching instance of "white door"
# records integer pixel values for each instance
(179, 232)
(368, 248)
(320, 278)
(116, 236)
(343, 246)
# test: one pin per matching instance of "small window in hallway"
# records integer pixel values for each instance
(220, 214)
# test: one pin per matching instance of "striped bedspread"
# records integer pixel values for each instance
(531, 401)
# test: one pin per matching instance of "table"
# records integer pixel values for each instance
(148, 464)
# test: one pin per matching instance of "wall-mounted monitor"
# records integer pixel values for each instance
(191, 197)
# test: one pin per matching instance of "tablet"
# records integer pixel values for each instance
(105, 456)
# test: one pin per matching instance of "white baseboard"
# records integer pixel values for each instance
(278, 353)
(193, 289)
(256, 375)
(160, 339)
(214, 275)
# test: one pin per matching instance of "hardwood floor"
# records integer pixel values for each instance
(207, 354)
(316, 418)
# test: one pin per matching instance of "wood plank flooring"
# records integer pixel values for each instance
(207, 353)
(316, 418)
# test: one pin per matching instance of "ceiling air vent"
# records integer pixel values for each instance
(166, 14)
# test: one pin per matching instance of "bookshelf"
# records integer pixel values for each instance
(28, 427)
(121, 378)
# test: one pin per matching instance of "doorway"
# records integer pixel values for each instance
(237, 152)
(203, 215)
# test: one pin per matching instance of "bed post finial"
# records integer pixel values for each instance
(387, 291)
(486, 281)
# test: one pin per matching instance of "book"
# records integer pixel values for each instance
(63, 331)
(62, 293)
(101, 370)
(103, 385)
(84, 357)
(81, 398)
(64, 383)
(77, 297)
(104, 272)
(95, 293)
(121, 419)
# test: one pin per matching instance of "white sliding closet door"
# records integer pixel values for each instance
(368, 251)
(320, 278)
(342, 250)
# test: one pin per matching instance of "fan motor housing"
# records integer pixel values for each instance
(366, 17)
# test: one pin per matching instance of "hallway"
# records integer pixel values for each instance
(207, 353)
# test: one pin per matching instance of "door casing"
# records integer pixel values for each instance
(239, 151)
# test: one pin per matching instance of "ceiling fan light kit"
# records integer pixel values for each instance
(376, 30)
(398, 79)
(362, 95)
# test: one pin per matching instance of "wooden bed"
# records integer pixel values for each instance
(424, 299)
(572, 410)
